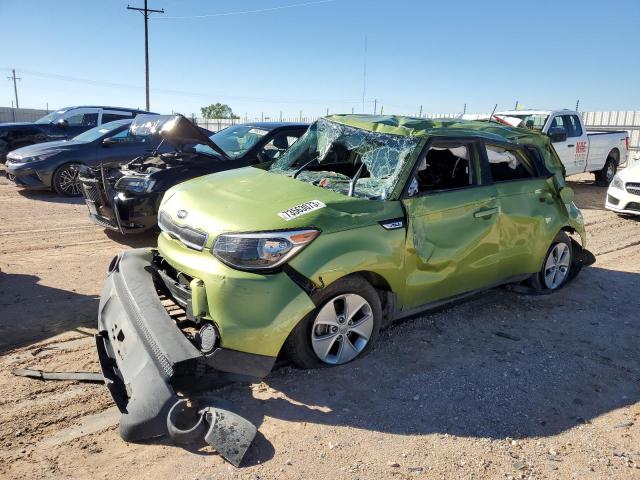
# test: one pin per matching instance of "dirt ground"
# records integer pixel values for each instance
(505, 385)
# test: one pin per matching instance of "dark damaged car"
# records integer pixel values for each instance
(126, 199)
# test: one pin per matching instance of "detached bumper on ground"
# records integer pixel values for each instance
(147, 361)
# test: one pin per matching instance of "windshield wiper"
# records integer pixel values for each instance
(356, 177)
(305, 165)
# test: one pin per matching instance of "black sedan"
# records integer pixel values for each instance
(126, 199)
(61, 124)
(53, 165)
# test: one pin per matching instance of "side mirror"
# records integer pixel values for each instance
(557, 134)
(62, 123)
(566, 194)
(108, 142)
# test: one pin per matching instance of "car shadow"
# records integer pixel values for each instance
(31, 312)
(504, 365)
(49, 196)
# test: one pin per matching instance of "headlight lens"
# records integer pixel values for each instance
(134, 184)
(17, 158)
(261, 251)
(617, 182)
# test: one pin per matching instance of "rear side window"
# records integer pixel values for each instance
(508, 164)
(110, 117)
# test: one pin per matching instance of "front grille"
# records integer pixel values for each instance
(91, 189)
(191, 237)
(633, 188)
(635, 206)
(612, 200)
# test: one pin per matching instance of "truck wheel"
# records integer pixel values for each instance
(65, 180)
(556, 265)
(605, 176)
(342, 327)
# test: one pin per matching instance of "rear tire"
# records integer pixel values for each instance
(556, 266)
(605, 176)
(343, 326)
(65, 180)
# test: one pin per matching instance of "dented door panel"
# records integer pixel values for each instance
(452, 244)
(529, 220)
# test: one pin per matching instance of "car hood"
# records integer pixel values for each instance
(251, 199)
(40, 148)
(631, 174)
(176, 130)
(17, 125)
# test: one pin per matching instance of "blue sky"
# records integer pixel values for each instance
(437, 54)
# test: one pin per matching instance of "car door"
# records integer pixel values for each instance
(527, 207)
(577, 142)
(452, 235)
(566, 148)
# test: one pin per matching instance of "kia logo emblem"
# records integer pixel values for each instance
(182, 214)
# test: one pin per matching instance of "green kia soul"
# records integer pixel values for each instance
(364, 220)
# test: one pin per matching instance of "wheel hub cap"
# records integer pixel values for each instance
(342, 329)
(557, 266)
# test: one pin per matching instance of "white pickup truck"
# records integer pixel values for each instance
(580, 150)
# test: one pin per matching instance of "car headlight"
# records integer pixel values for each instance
(17, 158)
(134, 185)
(617, 182)
(261, 251)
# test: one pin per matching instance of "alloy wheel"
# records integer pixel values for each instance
(557, 266)
(69, 182)
(342, 328)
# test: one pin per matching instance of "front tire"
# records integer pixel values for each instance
(65, 180)
(605, 176)
(343, 326)
(556, 267)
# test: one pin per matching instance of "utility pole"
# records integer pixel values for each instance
(420, 114)
(15, 87)
(146, 12)
(577, 104)
(375, 105)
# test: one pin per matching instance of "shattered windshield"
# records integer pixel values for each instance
(347, 160)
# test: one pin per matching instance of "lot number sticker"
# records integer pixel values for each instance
(302, 209)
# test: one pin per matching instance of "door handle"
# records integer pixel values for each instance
(485, 213)
(570, 146)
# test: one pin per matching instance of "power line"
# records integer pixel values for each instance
(244, 12)
(185, 93)
(15, 87)
(146, 12)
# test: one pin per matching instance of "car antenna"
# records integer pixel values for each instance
(493, 112)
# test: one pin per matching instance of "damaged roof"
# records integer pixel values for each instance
(426, 127)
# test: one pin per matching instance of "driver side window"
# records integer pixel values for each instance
(445, 166)
(82, 119)
(279, 144)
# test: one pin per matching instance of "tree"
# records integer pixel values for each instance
(217, 110)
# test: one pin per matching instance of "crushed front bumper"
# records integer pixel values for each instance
(116, 210)
(146, 360)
